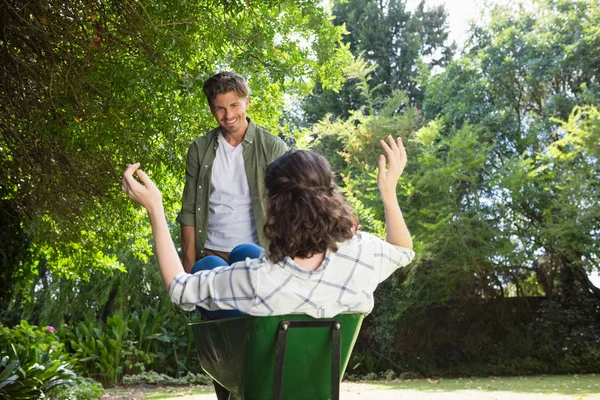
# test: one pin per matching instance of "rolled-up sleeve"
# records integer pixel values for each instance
(391, 257)
(222, 288)
(187, 215)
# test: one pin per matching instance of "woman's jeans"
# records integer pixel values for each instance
(239, 253)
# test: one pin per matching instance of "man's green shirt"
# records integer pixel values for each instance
(260, 148)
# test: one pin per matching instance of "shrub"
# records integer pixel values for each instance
(389, 375)
(100, 350)
(506, 336)
(371, 376)
(154, 378)
(147, 339)
(81, 389)
(32, 362)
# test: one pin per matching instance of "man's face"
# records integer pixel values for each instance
(230, 112)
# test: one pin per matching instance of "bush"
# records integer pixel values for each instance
(507, 336)
(154, 378)
(147, 339)
(81, 389)
(32, 362)
(371, 376)
(99, 350)
(389, 375)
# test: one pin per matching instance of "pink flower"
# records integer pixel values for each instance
(50, 329)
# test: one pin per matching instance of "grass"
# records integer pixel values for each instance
(179, 392)
(581, 385)
(159, 392)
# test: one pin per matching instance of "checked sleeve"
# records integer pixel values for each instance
(387, 257)
(222, 288)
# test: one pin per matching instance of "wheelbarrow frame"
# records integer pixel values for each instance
(283, 357)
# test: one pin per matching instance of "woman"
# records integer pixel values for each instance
(318, 263)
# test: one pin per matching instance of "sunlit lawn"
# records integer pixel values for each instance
(544, 384)
(579, 386)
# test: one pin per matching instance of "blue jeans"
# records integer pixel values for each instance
(239, 253)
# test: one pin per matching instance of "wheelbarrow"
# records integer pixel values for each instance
(283, 357)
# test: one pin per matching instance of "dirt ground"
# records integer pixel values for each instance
(356, 391)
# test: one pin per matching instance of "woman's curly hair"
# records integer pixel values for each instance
(306, 213)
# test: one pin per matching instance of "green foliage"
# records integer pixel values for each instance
(154, 378)
(104, 85)
(81, 389)
(27, 337)
(149, 339)
(100, 349)
(353, 145)
(500, 192)
(173, 344)
(372, 376)
(516, 84)
(567, 336)
(510, 336)
(447, 206)
(12, 252)
(32, 362)
(399, 45)
(156, 334)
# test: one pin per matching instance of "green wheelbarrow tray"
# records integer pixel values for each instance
(281, 357)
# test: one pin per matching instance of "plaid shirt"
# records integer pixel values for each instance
(344, 282)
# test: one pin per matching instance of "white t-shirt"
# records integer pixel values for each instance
(230, 215)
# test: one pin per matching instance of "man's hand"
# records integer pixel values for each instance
(387, 179)
(147, 194)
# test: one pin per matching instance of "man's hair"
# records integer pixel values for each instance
(225, 82)
(306, 213)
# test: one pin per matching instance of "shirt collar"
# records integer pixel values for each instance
(250, 132)
(288, 264)
(248, 137)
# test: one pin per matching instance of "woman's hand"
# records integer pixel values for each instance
(147, 194)
(387, 179)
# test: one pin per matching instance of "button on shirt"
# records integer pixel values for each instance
(344, 282)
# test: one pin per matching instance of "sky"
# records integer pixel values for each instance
(459, 14)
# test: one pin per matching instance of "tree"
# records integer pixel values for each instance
(401, 43)
(502, 181)
(87, 87)
(500, 194)
(519, 77)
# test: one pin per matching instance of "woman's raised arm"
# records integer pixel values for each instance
(387, 179)
(150, 198)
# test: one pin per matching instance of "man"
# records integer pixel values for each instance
(224, 190)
